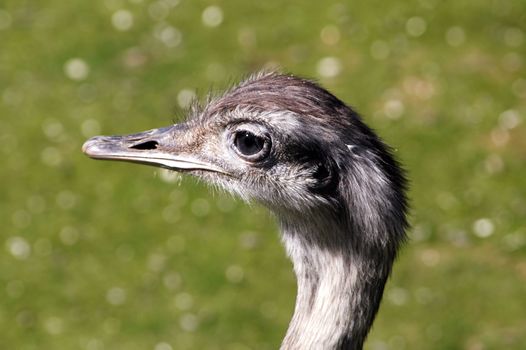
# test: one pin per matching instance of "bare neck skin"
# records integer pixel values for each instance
(339, 289)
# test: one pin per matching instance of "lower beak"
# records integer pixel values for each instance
(157, 147)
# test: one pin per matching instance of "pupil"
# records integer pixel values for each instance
(248, 143)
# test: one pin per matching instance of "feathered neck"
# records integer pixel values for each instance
(339, 287)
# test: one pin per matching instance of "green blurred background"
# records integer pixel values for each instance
(100, 255)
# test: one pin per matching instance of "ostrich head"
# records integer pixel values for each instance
(333, 185)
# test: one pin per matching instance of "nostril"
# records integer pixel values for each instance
(146, 145)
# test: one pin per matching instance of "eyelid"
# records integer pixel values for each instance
(257, 129)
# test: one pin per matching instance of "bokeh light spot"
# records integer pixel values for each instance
(169, 176)
(18, 247)
(66, 199)
(394, 108)
(171, 3)
(455, 36)
(184, 301)
(380, 50)
(499, 137)
(514, 241)
(483, 227)
(172, 280)
(416, 26)
(163, 346)
(90, 127)
(94, 344)
(234, 273)
(513, 37)
(171, 214)
(519, 87)
(330, 35)
(329, 67)
(189, 322)
(54, 325)
(398, 296)
(51, 156)
(509, 119)
(512, 61)
(159, 10)
(134, 57)
(156, 262)
(122, 20)
(200, 207)
(430, 257)
(246, 37)
(116, 296)
(52, 128)
(76, 69)
(494, 164)
(168, 35)
(185, 97)
(212, 16)
(69, 235)
(249, 240)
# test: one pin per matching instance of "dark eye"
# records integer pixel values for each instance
(247, 143)
(250, 146)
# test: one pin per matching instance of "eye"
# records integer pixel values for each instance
(247, 143)
(251, 146)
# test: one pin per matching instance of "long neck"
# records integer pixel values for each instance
(339, 286)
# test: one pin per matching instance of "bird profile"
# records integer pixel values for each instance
(332, 183)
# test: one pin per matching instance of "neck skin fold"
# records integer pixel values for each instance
(339, 289)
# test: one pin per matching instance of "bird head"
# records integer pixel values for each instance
(275, 139)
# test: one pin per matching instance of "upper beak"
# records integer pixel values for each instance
(157, 147)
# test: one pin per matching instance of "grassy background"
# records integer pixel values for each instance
(99, 256)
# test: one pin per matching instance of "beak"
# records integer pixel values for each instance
(157, 147)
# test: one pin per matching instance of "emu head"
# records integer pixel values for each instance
(284, 142)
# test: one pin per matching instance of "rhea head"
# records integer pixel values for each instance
(333, 185)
